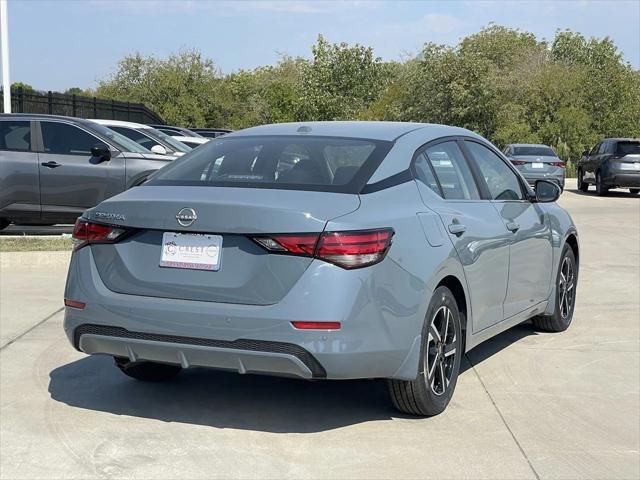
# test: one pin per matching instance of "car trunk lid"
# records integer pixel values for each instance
(247, 274)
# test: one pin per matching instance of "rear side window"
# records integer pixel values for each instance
(627, 148)
(65, 139)
(502, 182)
(15, 136)
(452, 170)
(288, 162)
(425, 174)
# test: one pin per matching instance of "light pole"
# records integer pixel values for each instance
(4, 40)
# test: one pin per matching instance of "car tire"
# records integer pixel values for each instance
(634, 191)
(601, 189)
(565, 301)
(147, 371)
(582, 185)
(440, 354)
(4, 223)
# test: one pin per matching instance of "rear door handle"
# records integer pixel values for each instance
(513, 227)
(51, 164)
(457, 228)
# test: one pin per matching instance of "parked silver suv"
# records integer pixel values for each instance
(52, 168)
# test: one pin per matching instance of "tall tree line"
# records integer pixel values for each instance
(505, 84)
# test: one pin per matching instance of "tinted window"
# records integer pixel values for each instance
(539, 150)
(502, 181)
(425, 174)
(15, 136)
(452, 171)
(603, 147)
(136, 136)
(66, 139)
(121, 142)
(315, 163)
(628, 148)
(167, 140)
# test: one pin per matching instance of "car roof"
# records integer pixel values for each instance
(118, 123)
(373, 130)
(620, 139)
(44, 116)
(528, 145)
(180, 138)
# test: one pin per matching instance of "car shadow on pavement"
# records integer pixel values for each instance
(229, 400)
(623, 193)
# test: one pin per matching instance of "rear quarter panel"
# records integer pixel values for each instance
(413, 267)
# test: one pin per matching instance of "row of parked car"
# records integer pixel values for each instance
(52, 168)
(612, 163)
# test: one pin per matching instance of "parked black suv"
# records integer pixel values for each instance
(612, 163)
(52, 168)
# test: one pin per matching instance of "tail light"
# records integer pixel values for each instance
(558, 164)
(351, 249)
(316, 325)
(517, 162)
(85, 233)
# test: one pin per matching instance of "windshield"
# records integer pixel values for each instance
(287, 162)
(163, 137)
(128, 144)
(628, 148)
(541, 150)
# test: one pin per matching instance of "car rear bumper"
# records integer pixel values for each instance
(629, 180)
(379, 335)
(531, 178)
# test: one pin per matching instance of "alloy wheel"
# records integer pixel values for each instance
(440, 351)
(566, 287)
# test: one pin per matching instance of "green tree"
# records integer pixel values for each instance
(179, 88)
(340, 81)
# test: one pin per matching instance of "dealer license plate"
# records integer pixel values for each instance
(191, 251)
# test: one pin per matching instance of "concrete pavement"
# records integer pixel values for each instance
(527, 405)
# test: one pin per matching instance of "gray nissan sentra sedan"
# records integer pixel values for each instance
(536, 162)
(331, 250)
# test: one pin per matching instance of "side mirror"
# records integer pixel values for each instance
(547, 191)
(585, 153)
(159, 149)
(101, 151)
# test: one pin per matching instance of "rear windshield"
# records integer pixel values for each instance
(163, 137)
(628, 148)
(540, 151)
(288, 162)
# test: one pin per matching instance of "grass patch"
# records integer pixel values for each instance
(30, 244)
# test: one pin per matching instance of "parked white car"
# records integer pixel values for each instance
(150, 138)
(192, 142)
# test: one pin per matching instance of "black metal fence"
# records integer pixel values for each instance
(79, 106)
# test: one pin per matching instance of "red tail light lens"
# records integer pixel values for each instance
(517, 162)
(346, 249)
(303, 244)
(558, 164)
(85, 233)
(316, 325)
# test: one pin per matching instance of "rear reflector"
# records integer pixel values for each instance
(85, 233)
(350, 249)
(74, 304)
(316, 325)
